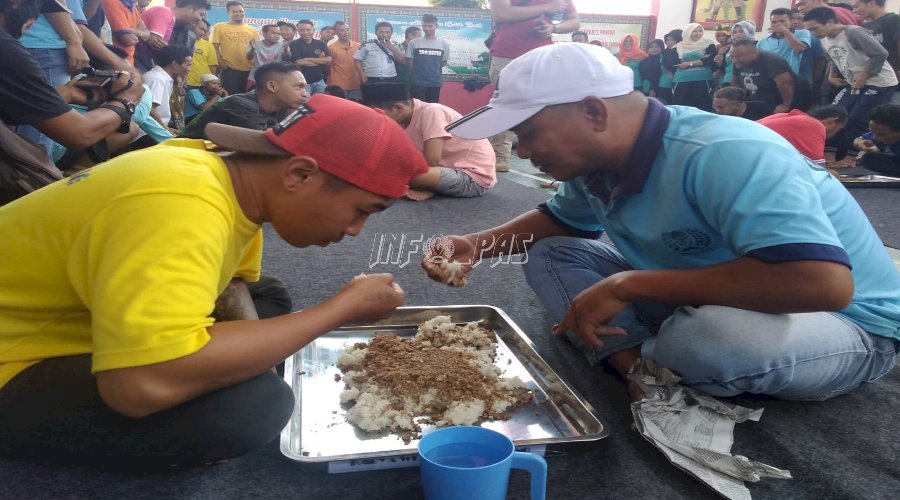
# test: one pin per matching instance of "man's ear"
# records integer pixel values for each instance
(299, 171)
(595, 112)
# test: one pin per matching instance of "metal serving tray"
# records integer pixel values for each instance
(319, 432)
(869, 181)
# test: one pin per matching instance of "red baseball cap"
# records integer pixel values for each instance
(352, 142)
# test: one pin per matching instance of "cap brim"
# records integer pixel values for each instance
(489, 121)
(242, 140)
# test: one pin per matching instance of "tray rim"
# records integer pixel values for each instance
(285, 435)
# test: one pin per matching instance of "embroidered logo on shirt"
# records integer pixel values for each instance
(686, 240)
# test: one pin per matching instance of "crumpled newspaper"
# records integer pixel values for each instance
(695, 431)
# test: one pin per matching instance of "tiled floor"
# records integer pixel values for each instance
(522, 172)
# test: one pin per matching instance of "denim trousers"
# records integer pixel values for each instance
(55, 64)
(722, 351)
(316, 87)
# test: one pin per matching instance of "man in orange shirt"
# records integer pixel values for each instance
(343, 65)
(126, 25)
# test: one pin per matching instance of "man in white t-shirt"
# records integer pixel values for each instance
(171, 62)
(457, 167)
(269, 49)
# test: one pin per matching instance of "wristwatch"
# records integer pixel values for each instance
(124, 113)
(125, 102)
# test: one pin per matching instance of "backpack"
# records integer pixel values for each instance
(24, 166)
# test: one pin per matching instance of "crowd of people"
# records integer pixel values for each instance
(814, 55)
(136, 325)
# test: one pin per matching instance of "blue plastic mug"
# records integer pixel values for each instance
(460, 463)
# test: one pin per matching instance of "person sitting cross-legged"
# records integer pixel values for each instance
(128, 333)
(734, 261)
(457, 167)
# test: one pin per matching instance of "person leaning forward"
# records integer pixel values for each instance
(734, 262)
(110, 349)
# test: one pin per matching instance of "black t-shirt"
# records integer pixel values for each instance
(302, 50)
(239, 110)
(759, 78)
(25, 95)
(886, 29)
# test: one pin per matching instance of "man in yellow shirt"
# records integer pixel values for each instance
(232, 40)
(127, 333)
(206, 62)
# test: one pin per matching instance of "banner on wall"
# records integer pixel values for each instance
(258, 14)
(609, 30)
(464, 30)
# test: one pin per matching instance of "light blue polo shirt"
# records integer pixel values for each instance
(710, 189)
(42, 35)
(783, 49)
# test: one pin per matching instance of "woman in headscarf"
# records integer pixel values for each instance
(650, 71)
(723, 39)
(694, 69)
(631, 55)
(669, 60)
(742, 30)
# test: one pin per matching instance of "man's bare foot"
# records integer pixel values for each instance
(419, 195)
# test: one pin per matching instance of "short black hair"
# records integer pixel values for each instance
(171, 53)
(194, 4)
(336, 23)
(887, 114)
(411, 29)
(384, 24)
(745, 43)
(733, 94)
(268, 27)
(204, 21)
(335, 90)
(429, 18)
(323, 28)
(658, 42)
(830, 111)
(286, 23)
(267, 72)
(780, 12)
(795, 11)
(879, 3)
(821, 15)
(232, 3)
(579, 33)
(305, 21)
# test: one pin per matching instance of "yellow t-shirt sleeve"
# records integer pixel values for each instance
(151, 298)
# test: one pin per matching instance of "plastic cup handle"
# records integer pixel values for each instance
(537, 468)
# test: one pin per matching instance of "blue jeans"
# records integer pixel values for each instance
(723, 351)
(55, 64)
(315, 87)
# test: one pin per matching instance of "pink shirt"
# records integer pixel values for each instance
(476, 158)
(845, 16)
(159, 20)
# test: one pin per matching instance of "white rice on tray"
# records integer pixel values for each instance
(445, 375)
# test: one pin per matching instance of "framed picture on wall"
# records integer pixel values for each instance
(710, 13)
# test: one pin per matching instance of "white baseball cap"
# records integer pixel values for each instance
(559, 73)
